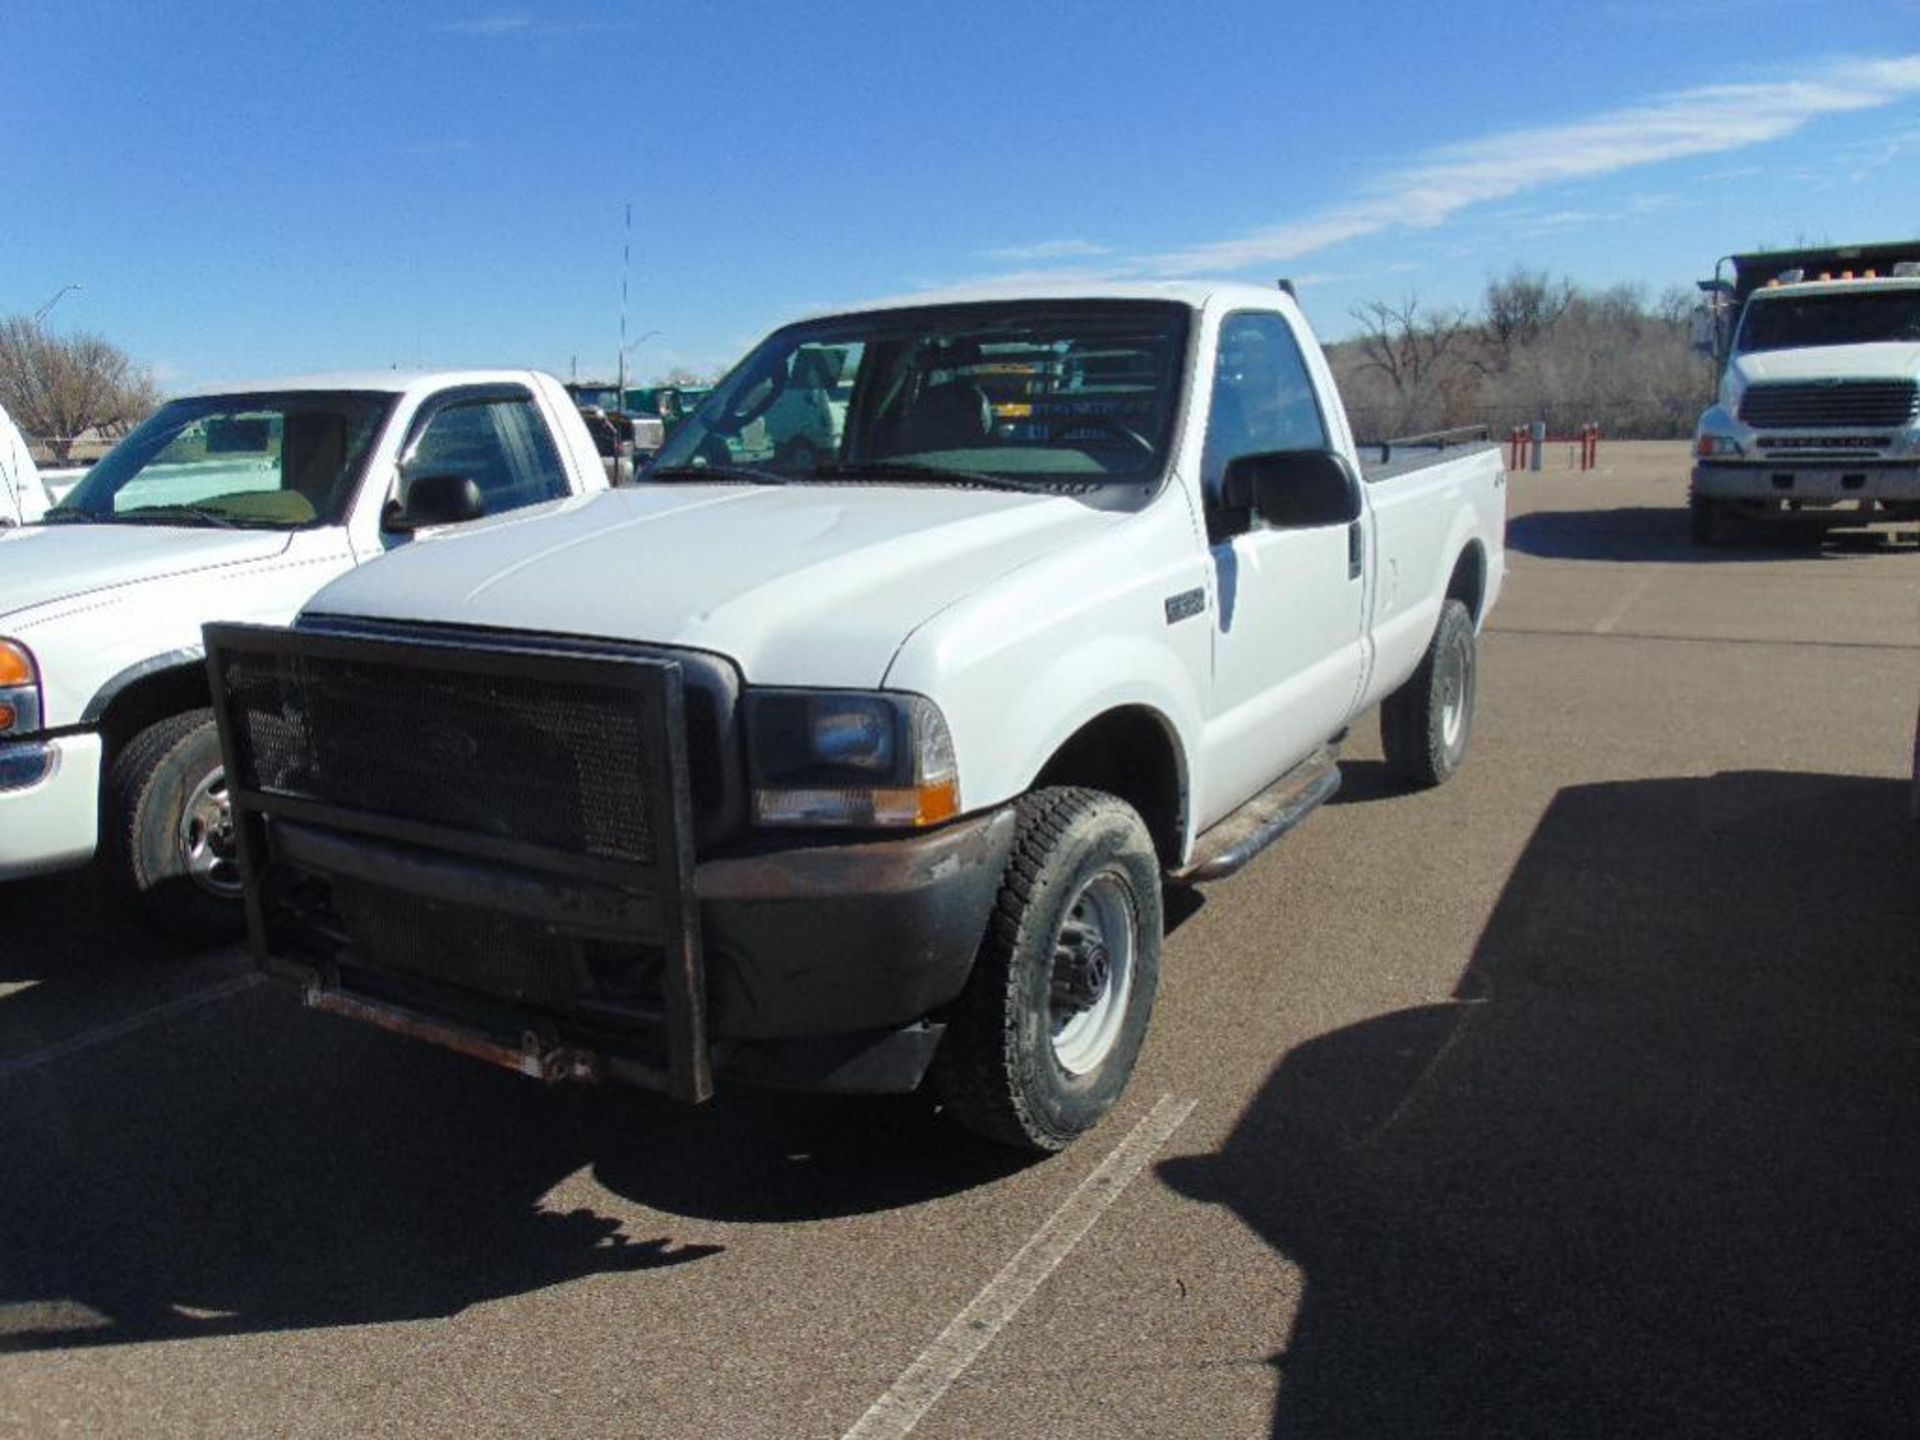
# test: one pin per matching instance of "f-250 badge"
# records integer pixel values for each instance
(1185, 605)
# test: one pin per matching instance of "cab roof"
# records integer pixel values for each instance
(1193, 293)
(384, 382)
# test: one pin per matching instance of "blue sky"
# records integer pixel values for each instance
(267, 188)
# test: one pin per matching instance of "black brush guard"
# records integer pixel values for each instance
(484, 846)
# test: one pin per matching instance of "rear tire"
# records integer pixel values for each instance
(168, 838)
(1427, 724)
(1041, 1043)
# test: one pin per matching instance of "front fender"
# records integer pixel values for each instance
(1014, 714)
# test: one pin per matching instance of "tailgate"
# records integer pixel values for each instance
(483, 845)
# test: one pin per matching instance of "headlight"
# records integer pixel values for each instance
(1717, 447)
(19, 690)
(849, 758)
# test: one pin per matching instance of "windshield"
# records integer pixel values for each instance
(1854, 317)
(1057, 395)
(267, 461)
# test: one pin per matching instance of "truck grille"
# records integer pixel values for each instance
(472, 839)
(540, 761)
(1837, 404)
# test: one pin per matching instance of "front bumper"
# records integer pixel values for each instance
(828, 939)
(494, 848)
(1818, 482)
(824, 964)
(49, 804)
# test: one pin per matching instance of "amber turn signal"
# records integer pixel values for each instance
(16, 666)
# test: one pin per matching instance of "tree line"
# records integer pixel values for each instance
(1534, 349)
(58, 388)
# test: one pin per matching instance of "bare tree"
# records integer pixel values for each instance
(1414, 352)
(1537, 350)
(1520, 308)
(57, 387)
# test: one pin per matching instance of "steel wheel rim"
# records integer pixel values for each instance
(1456, 693)
(207, 850)
(1092, 979)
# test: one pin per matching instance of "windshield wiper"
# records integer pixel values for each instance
(166, 512)
(913, 470)
(750, 474)
(60, 516)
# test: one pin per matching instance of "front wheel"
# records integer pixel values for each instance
(1042, 1042)
(169, 845)
(1426, 724)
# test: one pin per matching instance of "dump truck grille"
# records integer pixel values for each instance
(1837, 404)
(544, 762)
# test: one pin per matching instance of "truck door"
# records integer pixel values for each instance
(493, 435)
(1290, 618)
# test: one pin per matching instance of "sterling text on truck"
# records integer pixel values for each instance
(856, 756)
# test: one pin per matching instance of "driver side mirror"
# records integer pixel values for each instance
(1292, 489)
(434, 500)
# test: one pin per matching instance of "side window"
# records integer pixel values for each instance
(501, 444)
(1262, 396)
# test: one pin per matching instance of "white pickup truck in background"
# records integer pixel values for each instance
(23, 494)
(844, 763)
(236, 504)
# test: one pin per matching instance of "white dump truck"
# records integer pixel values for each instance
(1817, 423)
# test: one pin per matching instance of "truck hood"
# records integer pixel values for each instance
(1884, 361)
(41, 564)
(799, 584)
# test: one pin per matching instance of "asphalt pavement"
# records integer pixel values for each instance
(1578, 1097)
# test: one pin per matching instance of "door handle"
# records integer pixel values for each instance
(1356, 549)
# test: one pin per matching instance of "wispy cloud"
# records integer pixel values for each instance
(1048, 250)
(1429, 192)
(1705, 121)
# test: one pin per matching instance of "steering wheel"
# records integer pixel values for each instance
(1111, 427)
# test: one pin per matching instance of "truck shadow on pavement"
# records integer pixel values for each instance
(1652, 1170)
(1646, 534)
(247, 1166)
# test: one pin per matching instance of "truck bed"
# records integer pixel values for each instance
(1381, 459)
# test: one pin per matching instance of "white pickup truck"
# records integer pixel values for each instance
(23, 494)
(844, 765)
(236, 504)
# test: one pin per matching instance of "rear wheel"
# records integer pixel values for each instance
(169, 844)
(1426, 725)
(1043, 1040)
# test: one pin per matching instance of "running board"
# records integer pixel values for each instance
(1262, 820)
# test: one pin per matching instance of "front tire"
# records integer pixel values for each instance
(1427, 724)
(168, 832)
(1044, 1038)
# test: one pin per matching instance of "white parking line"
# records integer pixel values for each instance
(923, 1382)
(47, 1054)
(1619, 612)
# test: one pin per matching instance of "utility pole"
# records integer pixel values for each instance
(626, 260)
